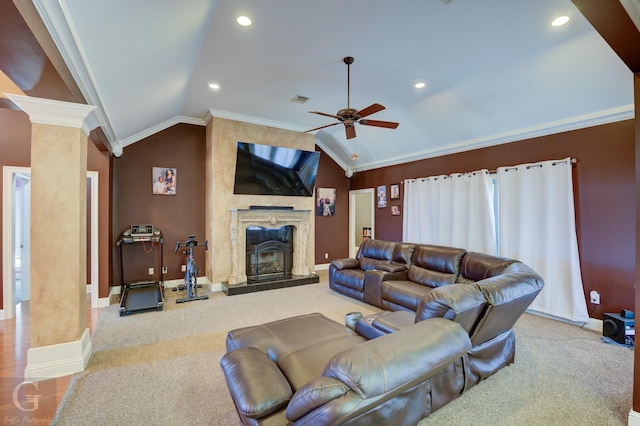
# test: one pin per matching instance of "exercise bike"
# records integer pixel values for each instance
(191, 275)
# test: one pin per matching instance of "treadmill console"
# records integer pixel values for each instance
(140, 234)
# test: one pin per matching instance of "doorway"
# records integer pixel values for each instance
(361, 218)
(21, 196)
(16, 202)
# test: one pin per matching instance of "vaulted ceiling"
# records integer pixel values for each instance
(495, 71)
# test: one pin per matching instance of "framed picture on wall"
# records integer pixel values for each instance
(165, 180)
(325, 201)
(395, 191)
(382, 196)
(395, 210)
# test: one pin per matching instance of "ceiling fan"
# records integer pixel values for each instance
(349, 116)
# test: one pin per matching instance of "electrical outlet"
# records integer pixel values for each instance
(183, 268)
(151, 271)
(595, 297)
(164, 269)
(326, 255)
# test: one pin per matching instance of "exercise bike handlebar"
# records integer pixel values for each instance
(191, 242)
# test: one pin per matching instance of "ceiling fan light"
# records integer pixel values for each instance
(244, 21)
(559, 21)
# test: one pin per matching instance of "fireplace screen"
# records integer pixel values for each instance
(269, 253)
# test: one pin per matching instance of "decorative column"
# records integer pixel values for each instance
(60, 342)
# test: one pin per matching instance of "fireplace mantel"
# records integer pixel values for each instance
(241, 219)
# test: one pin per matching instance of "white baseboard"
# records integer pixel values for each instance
(213, 287)
(103, 302)
(64, 359)
(592, 324)
(1, 314)
(177, 282)
(173, 283)
(634, 418)
(322, 266)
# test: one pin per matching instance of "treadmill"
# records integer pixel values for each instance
(141, 296)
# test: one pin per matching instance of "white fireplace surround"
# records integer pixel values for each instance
(241, 219)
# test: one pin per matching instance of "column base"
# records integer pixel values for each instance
(48, 362)
(634, 418)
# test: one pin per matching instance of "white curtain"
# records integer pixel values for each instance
(455, 210)
(537, 226)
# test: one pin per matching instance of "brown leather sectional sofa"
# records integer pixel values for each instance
(445, 324)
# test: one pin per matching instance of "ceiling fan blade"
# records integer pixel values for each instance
(371, 109)
(321, 127)
(378, 123)
(326, 115)
(351, 131)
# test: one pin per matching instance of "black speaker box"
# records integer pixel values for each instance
(617, 328)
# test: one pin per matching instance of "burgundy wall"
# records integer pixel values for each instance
(181, 147)
(604, 182)
(332, 232)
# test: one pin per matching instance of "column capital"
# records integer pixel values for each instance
(59, 113)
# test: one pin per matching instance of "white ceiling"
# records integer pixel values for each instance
(496, 71)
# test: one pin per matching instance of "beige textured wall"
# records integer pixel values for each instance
(222, 138)
(58, 234)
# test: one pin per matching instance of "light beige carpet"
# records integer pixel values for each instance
(162, 367)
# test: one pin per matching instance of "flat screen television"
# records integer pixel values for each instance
(274, 170)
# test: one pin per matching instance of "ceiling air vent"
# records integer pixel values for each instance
(299, 99)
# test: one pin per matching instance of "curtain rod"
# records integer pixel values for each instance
(573, 161)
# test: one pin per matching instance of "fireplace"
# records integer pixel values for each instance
(294, 252)
(269, 253)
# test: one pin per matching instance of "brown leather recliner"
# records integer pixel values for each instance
(487, 310)
(309, 370)
(347, 275)
(401, 364)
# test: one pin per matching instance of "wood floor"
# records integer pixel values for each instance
(27, 403)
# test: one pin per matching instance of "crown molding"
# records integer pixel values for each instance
(178, 119)
(611, 115)
(56, 19)
(59, 113)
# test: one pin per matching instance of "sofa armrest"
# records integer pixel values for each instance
(400, 359)
(313, 395)
(347, 263)
(256, 384)
(373, 283)
(376, 325)
(391, 322)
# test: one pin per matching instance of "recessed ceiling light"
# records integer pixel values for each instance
(559, 21)
(244, 21)
(420, 85)
(214, 86)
